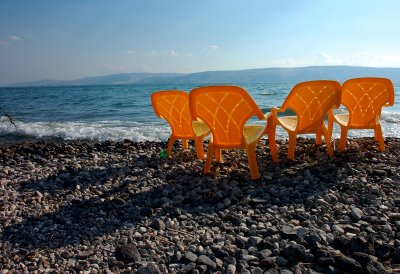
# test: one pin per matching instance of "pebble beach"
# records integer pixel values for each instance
(119, 207)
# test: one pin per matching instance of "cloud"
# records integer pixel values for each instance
(211, 47)
(14, 38)
(288, 62)
(10, 40)
(129, 51)
(367, 60)
(4, 43)
(172, 53)
(325, 59)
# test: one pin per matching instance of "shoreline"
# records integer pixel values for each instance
(117, 206)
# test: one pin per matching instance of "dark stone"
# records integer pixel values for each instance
(382, 251)
(191, 257)
(348, 265)
(359, 244)
(340, 243)
(242, 265)
(363, 258)
(396, 256)
(294, 253)
(176, 257)
(265, 253)
(201, 269)
(321, 253)
(84, 255)
(127, 253)
(230, 260)
(203, 259)
(240, 242)
(236, 221)
(309, 258)
(269, 262)
(374, 267)
(272, 271)
(220, 253)
(188, 268)
(326, 261)
(313, 240)
(158, 224)
(150, 269)
(289, 232)
(146, 211)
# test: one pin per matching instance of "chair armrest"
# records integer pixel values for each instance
(274, 111)
(388, 104)
(267, 115)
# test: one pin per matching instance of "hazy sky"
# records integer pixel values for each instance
(54, 39)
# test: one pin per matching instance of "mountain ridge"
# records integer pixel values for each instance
(260, 75)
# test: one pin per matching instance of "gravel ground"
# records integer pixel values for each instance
(118, 207)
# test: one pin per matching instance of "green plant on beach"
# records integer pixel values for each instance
(163, 154)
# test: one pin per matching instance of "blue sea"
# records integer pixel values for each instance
(120, 112)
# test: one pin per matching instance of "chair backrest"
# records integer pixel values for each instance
(365, 97)
(173, 106)
(311, 101)
(225, 109)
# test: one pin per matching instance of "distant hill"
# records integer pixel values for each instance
(266, 75)
(285, 75)
(114, 79)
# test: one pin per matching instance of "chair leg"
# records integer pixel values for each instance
(252, 161)
(328, 142)
(210, 153)
(185, 143)
(171, 141)
(198, 142)
(218, 155)
(292, 146)
(376, 137)
(318, 138)
(271, 131)
(379, 136)
(343, 138)
(330, 124)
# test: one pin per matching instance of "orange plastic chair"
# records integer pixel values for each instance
(173, 106)
(364, 99)
(310, 101)
(226, 109)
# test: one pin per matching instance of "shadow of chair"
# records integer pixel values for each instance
(364, 99)
(310, 101)
(225, 110)
(173, 106)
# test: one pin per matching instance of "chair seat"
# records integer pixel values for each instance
(252, 133)
(288, 122)
(342, 119)
(200, 128)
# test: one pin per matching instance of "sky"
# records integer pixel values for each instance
(63, 40)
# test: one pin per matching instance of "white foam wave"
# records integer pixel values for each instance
(100, 131)
(149, 131)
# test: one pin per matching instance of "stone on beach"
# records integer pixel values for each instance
(118, 207)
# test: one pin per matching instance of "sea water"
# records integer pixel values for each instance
(119, 112)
